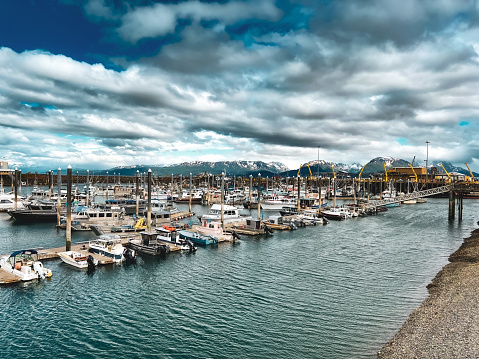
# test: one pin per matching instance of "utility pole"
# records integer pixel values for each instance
(427, 158)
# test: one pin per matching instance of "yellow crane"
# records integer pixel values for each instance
(472, 175)
(448, 175)
(415, 175)
(360, 173)
(310, 173)
(334, 176)
(385, 172)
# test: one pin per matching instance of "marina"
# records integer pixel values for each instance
(330, 258)
(239, 179)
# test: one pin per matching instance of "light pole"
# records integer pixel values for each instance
(318, 163)
(427, 157)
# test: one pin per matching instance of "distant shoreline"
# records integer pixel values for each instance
(446, 324)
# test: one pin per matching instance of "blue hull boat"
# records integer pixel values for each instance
(197, 238)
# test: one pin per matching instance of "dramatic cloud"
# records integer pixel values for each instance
(266, 80)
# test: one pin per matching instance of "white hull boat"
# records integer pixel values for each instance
(77, 259)
(25, 266)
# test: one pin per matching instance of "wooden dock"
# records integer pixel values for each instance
(7, 278)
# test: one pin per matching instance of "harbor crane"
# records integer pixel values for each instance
(473, 180)
(385, 172)
(310, 173)
(362, 169)
(448, 175)
(415, 175)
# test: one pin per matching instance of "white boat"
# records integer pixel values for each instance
(77, 259)
(275, 202)
(109, 245)
(215, 230)
(311, 217)
(170, 235)
(25, 265)
(230, 214)
(83, 217)
(410, 201)
(7, 201)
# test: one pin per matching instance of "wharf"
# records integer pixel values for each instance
(7, 278)
(181, 215)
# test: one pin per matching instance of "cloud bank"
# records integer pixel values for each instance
(251, 80)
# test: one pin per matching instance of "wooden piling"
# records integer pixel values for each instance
(451, 205)
(460, 197)
(68, 245)
(59, 184)
(148, 215)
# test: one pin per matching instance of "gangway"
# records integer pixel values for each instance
(413, 195)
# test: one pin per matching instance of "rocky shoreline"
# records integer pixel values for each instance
(446, 324)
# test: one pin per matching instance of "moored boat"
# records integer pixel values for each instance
(169, 235)
(197, 238)
(78, 260)
(24, 265)
(109, 245)
(215, 230)
(149, 245)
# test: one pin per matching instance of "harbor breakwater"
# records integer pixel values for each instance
(446, 324)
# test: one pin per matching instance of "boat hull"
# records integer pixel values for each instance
(33, 216)
(152, 250)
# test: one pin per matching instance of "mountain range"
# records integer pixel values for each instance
(246, 168)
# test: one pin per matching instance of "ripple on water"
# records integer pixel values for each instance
(340, 291)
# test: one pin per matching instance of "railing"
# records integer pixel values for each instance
(408, 196)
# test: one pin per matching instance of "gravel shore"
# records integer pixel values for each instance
(446, 325)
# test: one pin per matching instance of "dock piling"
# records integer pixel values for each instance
(68, 245)
(451, 205)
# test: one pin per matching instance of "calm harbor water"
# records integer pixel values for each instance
(335, 291)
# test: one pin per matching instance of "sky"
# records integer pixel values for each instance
(103, 83)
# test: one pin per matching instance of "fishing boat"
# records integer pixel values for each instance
(169, 235)
(7, 201)
(391, 203)
(24, 264)
(196, 197)
(276, 222)
(252, 227)
(83, 218)
(78, 260)
(230, 214)
(215, 230)
(288, 211)
(42, 211)
(310, 217)
(276, 202)
(109, 245)
(148, 244)
(197, 238)
(334, 214)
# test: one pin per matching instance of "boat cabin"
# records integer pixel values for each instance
(148, 237)
(253, 224)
